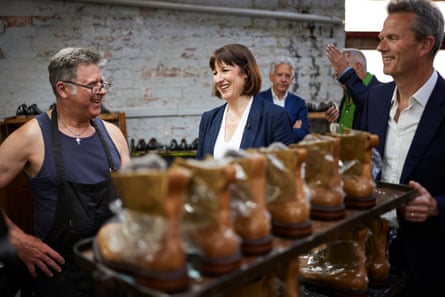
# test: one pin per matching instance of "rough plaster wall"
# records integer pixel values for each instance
(157, 59)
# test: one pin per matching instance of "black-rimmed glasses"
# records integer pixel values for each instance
(94, 88)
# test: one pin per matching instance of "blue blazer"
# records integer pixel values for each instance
(266, 123)
(296, 108)
(419, 248)
(358, 92)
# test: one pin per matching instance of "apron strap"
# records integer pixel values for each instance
(57, 147)
(105, 146)
(56, 144)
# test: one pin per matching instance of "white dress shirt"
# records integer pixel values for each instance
(401, 133)
(278, 101)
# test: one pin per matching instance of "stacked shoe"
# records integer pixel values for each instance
(250, 215)
(145, 241)
(337, 268)
(376, 256)
(322, 176)
(351, 264)
(356, 172)
(286, 194)
(213, 245)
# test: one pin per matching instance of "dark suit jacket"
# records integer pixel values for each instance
(358, 92)
(266, 123)
(296, 108)
(419, 247)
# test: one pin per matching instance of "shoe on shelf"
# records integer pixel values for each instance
(153, 144)
(173, 145)
(183, 146)
(21, 110)
(140, 146)
(33, 110)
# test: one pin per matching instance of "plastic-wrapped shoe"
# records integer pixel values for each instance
(250, 215)
(376, 257)
(213, 245)
(356, 172)
(144, 240)
(286, 194)
(323, 177)
(337, 268)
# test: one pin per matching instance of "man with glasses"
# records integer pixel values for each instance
(67, 154)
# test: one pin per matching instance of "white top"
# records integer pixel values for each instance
(221, 146)
(278, 101)
(401, 133)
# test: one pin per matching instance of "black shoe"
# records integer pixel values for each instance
(140, 146)
(183, 146)
(195, 144)
(33, 110)
(173, 145)
(153, 144)
(21, 110)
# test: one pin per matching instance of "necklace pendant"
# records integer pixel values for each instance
(78, 139)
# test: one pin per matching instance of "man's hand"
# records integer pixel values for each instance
(336, 58)
(298, 124)
(421, 207)
(332, 114)
(35, 253)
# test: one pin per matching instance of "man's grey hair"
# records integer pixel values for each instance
(63, 65)
(354, 55)
(282, 60)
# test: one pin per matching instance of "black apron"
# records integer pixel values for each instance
(81, 211)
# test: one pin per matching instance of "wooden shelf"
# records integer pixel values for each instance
(388, 197)
(9, 124)
(316, 115)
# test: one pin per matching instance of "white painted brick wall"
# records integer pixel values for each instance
(158, 59)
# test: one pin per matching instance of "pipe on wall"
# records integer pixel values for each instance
(261, 13)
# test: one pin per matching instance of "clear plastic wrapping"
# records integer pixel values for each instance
(322, 174)
(143, 237)
(206, 224)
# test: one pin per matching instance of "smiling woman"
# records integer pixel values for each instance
(243, 121)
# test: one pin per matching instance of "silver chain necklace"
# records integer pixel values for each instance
(77, 135)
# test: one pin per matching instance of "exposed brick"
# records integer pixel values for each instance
(157, 59)
(21, 21)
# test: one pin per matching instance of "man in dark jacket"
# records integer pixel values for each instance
(350, 70)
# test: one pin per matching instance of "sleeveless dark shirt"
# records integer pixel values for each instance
(83, 163)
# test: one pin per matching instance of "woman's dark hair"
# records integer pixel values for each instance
(240, 55)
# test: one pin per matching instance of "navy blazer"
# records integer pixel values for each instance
(358, 92)
(296, 108)
(266, 123)
(419, 247)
